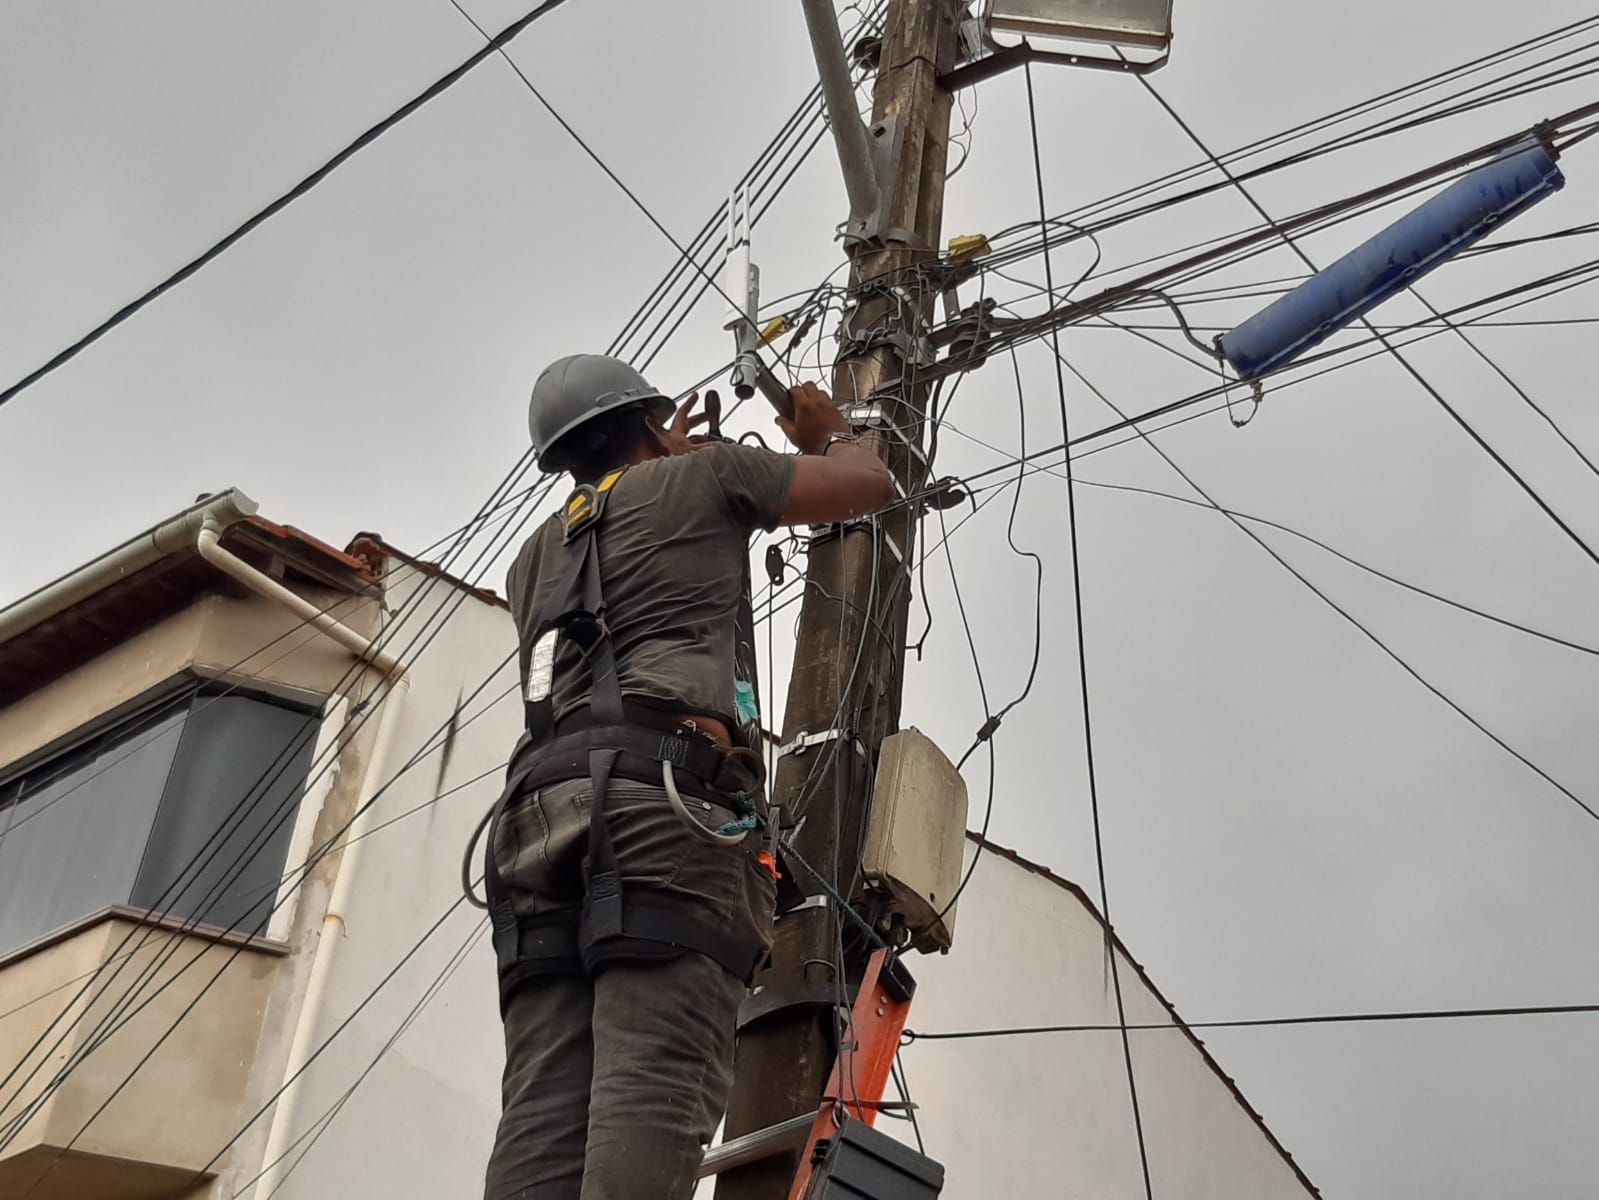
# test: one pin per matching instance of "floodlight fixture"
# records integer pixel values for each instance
(1119, 22)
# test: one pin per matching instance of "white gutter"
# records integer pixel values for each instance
(169, 537)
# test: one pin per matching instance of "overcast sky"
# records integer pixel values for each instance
(1291, 823)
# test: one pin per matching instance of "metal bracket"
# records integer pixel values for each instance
(804, 741)
(1012, 57)
(884, 139)
(865, 414)
(872, 413)
(768, 1002)
(807, 904)
(913, 348)
(838, 529)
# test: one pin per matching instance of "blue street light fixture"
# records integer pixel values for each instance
(1459, 216)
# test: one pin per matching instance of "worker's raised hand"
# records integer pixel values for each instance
(680, 435)
(815, 418)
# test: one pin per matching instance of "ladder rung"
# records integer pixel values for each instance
(752, 1147)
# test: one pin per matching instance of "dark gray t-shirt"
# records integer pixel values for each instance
(674, 566)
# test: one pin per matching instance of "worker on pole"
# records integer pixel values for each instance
(629, 864)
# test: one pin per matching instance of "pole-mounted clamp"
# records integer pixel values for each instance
(913, 348)
(802, 742)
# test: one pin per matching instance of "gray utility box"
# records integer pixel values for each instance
(1120, 22)
(917, 835)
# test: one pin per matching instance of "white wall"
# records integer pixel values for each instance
(1043, 1116)
(421, 1123)
(1050, 1115)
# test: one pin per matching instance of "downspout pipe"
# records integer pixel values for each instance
(275, 1159)
(396, 679)
(208, 541)
(838, 92)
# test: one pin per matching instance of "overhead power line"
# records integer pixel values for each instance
(1014, 332)
(1368, 1018)
(684, 256)
(1569, 278)
(1410, 368)
(1112, 210)
(365, 139)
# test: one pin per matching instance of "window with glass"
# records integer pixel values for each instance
(185, 809)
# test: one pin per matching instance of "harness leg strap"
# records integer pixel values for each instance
(605, 879)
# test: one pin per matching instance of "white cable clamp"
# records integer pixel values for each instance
(804, 741)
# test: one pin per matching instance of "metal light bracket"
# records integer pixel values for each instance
(884, 139)
(1011, 57)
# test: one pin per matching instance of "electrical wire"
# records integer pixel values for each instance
(1012, 333)
(1454, 413)
(679, 248)
(1492, 88)
(370, 135)
(321, 1124)
(684, 255)
(1445, 1014)
(525, 456)
(1569, 278)
(1554, 639)
(1082, 660)
(1343, 612)
(1588, 273)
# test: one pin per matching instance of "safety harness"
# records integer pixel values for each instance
(613, 739)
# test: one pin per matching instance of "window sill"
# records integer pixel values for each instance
(213, 934)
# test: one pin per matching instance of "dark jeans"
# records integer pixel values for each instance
(614, 1084)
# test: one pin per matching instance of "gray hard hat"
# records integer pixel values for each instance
(579, 388)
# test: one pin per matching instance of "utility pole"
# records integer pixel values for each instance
(845, 691)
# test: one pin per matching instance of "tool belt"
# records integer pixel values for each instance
(609, 739)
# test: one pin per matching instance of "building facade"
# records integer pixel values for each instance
(238, 768)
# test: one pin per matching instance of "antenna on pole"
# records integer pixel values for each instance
(742, 279)
(742, 284)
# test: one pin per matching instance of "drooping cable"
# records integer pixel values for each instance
(1082, 660)
(1342, 611)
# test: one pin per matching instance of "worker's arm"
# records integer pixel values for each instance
(831, 483)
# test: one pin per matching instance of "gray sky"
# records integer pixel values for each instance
(1291, 824)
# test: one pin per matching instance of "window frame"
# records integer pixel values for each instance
(188, 686)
